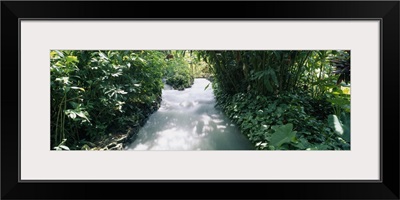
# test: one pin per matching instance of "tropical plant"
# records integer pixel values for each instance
(280, 99)
(265, 91)
(341, 62)
(97, 92)
(177, 72)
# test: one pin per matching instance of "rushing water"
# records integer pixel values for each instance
(188, 120)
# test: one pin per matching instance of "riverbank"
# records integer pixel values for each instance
(121, 141)
(289, 121)
(117, 140)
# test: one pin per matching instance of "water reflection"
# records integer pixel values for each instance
(188, 120)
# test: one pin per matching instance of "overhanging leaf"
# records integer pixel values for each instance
(207, 86)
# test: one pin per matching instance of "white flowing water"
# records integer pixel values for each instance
(188, 120)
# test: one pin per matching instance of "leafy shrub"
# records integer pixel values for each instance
(96, 92)
(180, 81)
(178, 74)
(285, 121)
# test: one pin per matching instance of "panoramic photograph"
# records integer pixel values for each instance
(178, 100)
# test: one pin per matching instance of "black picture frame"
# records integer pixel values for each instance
(386, 11)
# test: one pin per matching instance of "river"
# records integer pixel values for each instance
(188, 120)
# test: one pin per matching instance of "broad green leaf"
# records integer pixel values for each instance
(302, 143)
(283, 134)
(335, 124)
(345, 119)
(71, 59)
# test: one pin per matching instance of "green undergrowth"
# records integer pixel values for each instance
(180, 80)
(178, 73)
(289, 121)
(95, 93)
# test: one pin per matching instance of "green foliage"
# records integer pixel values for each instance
(340, 101)
(273, 72)
(279, 99)
(180, 81)
(283, 134)
(201, 69)
(288, 121)
(342, 66)
(265, 91)
(177, 72)
(95, 92)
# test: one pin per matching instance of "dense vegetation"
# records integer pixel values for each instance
(285, 99)
(177, 72)
(98, 93)
(281, 100)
